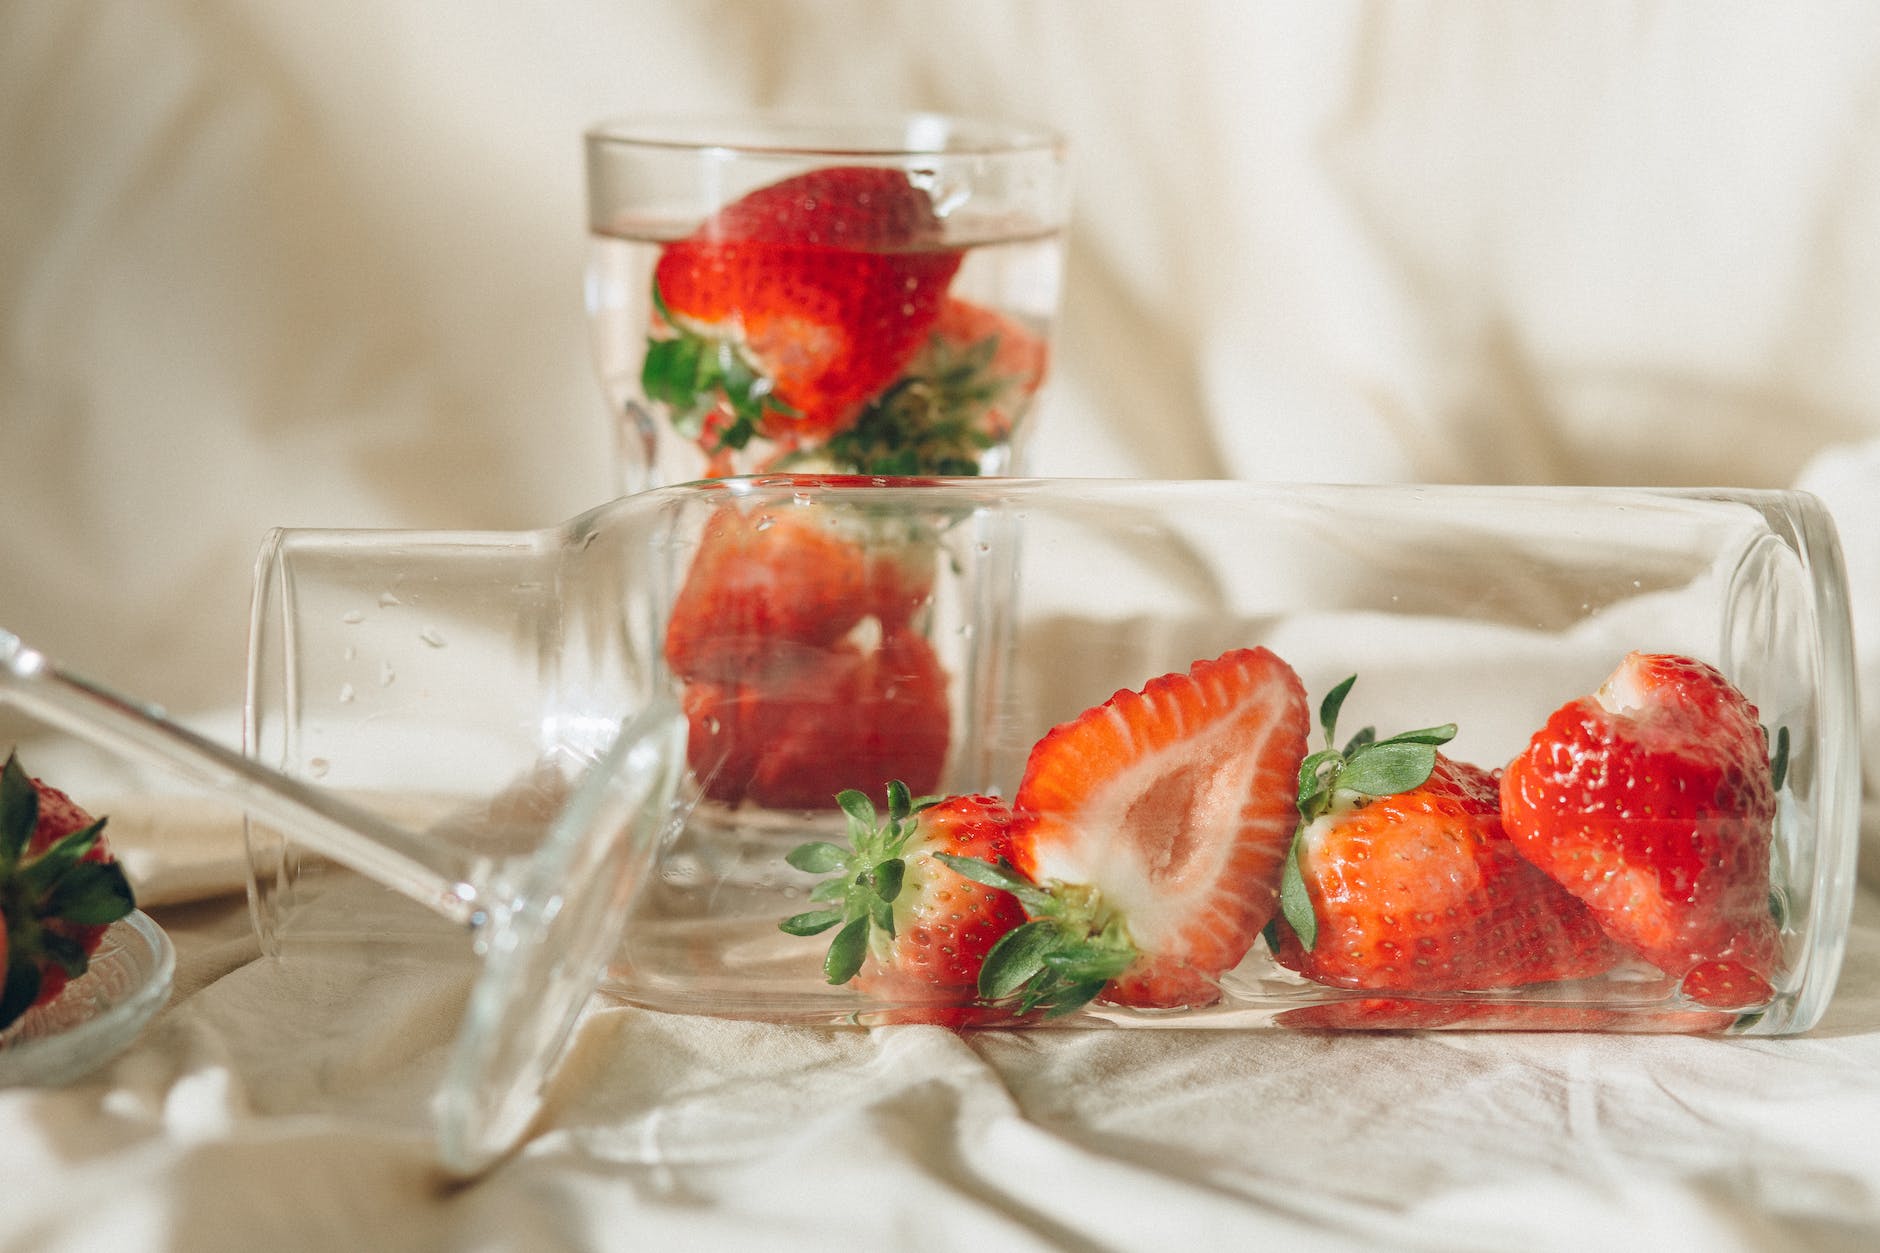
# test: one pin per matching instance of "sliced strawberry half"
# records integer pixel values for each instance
(789, 309)
(1147, 839)
(1652, 801)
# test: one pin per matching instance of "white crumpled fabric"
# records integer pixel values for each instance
(281, 264)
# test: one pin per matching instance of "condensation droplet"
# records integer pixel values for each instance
(346, 693)
(766, 522)
(349, 653)
(386, 674)
(352, 617)
(430, 636)
(318, 767)
(387, 600)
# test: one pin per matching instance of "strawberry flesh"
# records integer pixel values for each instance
(1422, 891)
(1652, 801)
(1176, 805)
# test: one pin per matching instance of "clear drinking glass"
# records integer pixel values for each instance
(530, 867)
(936, 632)
(822, 293)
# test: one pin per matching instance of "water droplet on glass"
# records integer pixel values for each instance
(387, 600)
(430, 636)
(349, 653)
(386, 674)
(352, 617)
(346, 693)
(318, 767)
(766, 522)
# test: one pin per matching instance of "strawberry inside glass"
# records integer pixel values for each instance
(832, 321)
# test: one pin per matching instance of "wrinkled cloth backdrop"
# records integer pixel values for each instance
(266, 263)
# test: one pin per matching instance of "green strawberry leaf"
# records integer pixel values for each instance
(67, 952)
(1314, 778)
(1387, 768)
(19, 811)
(1779, 767)
(889, 876)
(42, 872)
(1294, 901)
(846, 952)
(814, 922)
(882, 915)
(91, 894)
(1016, 959)
(858, 807)
(999, 875)
(1081, 963)
(830, 890)
(818, 857)
(1072, 999)
(1426, 735)
(1365, 735)
(19, 992)
(1329, 707)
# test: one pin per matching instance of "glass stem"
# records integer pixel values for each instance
(429, 871)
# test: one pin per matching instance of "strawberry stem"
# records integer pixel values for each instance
(868, 876)
(1062, 959)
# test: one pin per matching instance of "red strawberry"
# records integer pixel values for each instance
(913, 932)
(795, 305)
(1008, 360)
(1652, 802)
(788, 575)
(961, 394)
(1422, 891)
(758, 578)
(1150, 831)
(797, 726)
(60, 888)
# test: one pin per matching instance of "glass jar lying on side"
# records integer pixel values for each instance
(1012, 752)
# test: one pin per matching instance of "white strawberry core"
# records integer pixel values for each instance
(1156, 839)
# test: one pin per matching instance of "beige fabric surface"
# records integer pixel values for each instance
(266, 263)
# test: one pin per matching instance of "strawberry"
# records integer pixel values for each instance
(913, 932)
(60, 887)
(1652, 801)
(1147, 839)
(758, 578)
(962, 394)
(800, 719)
(1401, 876)
(787, 575)
(792, 307)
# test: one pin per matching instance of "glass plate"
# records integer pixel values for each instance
(99, 1014)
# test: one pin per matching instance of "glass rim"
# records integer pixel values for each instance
(827, 133)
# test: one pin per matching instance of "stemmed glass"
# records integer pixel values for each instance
(822, 293)
(542, 921)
